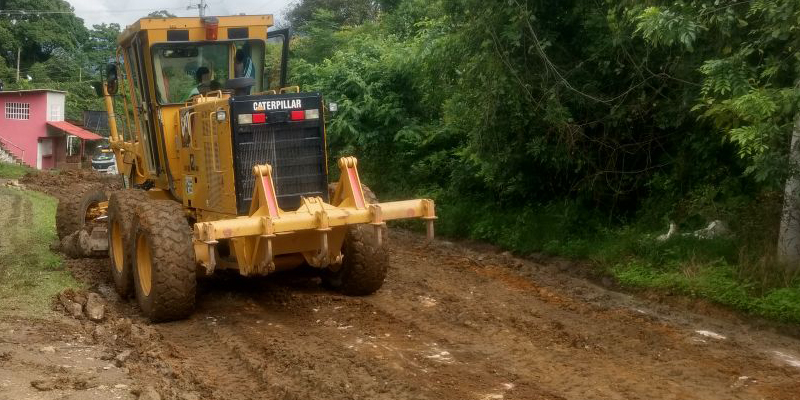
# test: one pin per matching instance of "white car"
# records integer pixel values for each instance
(105, 163)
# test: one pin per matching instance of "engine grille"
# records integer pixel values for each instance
(296, 152)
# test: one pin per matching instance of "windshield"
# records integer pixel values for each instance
(183, 70)
(103, 156)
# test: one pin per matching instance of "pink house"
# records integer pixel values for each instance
(33, 130)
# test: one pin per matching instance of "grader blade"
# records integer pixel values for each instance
(316, 229)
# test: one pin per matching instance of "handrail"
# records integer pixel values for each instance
(12, 143)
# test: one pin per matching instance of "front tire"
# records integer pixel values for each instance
(365, 264)
(164, 276)
(121, 211)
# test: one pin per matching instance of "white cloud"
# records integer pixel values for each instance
(126, 12)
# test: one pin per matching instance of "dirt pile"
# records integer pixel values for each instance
(130, 345)
(56, 184)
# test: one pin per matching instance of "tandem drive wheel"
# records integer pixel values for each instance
(164, 272)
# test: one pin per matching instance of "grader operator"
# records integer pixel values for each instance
(225, 167)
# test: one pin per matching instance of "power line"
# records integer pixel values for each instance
(46, 12)
(201, 7)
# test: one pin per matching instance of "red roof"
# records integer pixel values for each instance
(74, 130)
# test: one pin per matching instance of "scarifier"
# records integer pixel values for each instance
(225, 167)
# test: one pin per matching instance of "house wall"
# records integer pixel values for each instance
(47, 153)
(56, 106)
(24, 133)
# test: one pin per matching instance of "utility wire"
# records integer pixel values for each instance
(43, 12)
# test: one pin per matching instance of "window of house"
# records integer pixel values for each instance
(56, 114)
(18, 110)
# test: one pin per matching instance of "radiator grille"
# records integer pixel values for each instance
(296, 153)
(212, 163)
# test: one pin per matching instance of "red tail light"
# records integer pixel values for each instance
(259, 118)
(298, 115)
(211, 24)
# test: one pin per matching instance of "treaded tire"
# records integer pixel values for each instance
(161, 227)
(121, 210)
(365, 265)
(72, 207)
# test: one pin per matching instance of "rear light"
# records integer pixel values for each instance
(312, 114)
(259, 118)
(297, 115)
(245, 119)
(211, 25)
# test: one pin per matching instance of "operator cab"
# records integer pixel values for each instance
(204, 100)
(163, 64)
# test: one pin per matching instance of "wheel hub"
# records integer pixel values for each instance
(117, 251)
(144, 264)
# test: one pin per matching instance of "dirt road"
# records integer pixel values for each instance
(44, 355)
(451, 322)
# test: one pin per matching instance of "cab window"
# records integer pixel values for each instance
(183, 70)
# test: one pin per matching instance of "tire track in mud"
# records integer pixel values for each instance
(290, 340)
(448, 327)
(10, 207)
(610, 344)
(216, 368)
(280, 361)
(559, 341)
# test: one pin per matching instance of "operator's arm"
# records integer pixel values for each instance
(193, 92)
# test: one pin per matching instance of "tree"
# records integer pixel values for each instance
(750, 61)
(343, 12)
(6, 73)
(161, 14)
(101, 46)
(39, 35)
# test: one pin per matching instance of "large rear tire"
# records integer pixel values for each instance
(74, 209)
(121, 211)
(365, 264)
(165, 275)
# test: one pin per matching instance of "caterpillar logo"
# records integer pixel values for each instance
(277, 105)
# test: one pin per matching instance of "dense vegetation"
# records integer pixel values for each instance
(576, 128)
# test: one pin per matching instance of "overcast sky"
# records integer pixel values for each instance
(125, 12)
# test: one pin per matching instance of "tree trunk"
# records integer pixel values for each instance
(789, 239)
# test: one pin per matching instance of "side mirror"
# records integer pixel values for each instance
(98, 88)
(111, 79)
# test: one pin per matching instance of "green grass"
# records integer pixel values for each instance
(30, 273)
(12, 171)
(710, 269)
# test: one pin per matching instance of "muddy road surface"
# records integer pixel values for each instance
(451, 322)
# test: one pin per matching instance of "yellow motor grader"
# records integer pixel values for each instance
(225, 167)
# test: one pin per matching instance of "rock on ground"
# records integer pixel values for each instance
(149, 393)
(95, 308)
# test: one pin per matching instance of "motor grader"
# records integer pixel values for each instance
(224, 167)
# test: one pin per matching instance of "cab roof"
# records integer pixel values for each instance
(193, 23)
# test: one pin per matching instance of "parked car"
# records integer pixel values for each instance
(105, 162)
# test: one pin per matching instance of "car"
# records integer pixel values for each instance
(104, 162)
